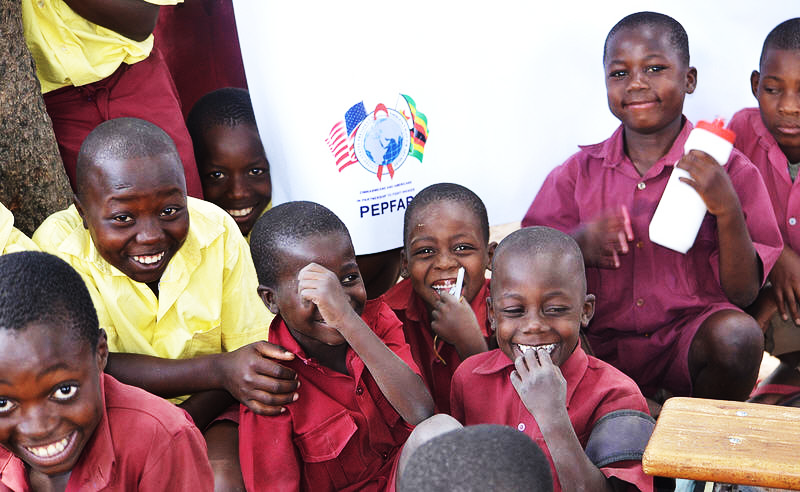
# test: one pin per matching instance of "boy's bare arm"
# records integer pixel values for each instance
(739, 265)
(205, 406)
(455, 322)
(543, 390)
(134, 19)
(399, 384)
(249, 374)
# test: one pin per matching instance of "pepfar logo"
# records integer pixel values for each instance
(380, 140)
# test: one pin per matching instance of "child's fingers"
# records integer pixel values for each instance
(626, 222)
(780, 302)
(273, 351)
(263, 403)
(791, 300)
(623, 242)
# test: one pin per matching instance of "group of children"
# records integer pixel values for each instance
(282, 375)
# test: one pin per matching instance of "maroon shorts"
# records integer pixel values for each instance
(142, 90)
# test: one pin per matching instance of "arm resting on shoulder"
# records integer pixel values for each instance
(134, 19)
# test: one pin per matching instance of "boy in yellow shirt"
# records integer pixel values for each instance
(172, 280)
(12, 239)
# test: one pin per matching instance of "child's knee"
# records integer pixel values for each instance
(222, 439)
(433, 426)
(731, 339)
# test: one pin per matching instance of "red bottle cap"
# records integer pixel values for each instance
(717, 127)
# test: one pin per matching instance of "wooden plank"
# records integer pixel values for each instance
(725, 441)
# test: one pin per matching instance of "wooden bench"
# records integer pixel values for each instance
(726, 441)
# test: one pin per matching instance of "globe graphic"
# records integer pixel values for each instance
(384, 141)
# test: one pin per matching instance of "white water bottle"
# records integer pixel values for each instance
(681, 210)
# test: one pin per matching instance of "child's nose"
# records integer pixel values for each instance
(790, 103)
(446, 260)
(238, 190)
(150, 232)
(637, 80)
(534, 324)
(37, 423)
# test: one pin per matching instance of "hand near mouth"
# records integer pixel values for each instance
(454, 321)
(540, 384)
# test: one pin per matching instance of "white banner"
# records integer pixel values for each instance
(509, 89)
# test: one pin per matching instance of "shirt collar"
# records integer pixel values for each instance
(572, 369)
(767, 142)
(612, 151)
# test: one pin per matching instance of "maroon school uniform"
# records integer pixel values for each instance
(436, 371)
(342, 434)
(142, 443)
(650, 308)
(758, 144)
(143, 90)
(483, 394)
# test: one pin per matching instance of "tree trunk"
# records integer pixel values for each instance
(33, 183)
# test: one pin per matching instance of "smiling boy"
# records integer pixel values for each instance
(541, 382)
(64, 425)
(770, 136)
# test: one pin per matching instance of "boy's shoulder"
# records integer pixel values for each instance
(745, 121)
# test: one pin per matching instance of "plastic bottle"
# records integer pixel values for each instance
(681, 210)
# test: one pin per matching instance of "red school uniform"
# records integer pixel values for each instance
(342, 434)
(650, 308)
(437, 371)
(758, 144)
(483, 394)
(142, 443)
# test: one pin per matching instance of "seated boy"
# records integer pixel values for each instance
(63, 423)
(445, 228)
(230, 158)
(360, 393)
(171, 278)
(589, 418)
(770, 136)
(11, 238)
(478, 458)
(672, 322)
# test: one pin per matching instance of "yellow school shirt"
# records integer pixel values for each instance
(12, 239)
(207, 301)
(70, 50)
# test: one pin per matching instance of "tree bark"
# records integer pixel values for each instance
(33, 183)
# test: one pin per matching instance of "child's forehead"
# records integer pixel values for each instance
(45, 342)
(329, 249)
(433, 213)
(777, 59)
(108, 175)
(654, 36)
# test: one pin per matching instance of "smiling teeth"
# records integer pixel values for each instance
(50, 450)
(241, 212)
(548, 347)
(444, 286)
(149, 259)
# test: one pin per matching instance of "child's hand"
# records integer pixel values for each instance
(605, 238)
(785, 278)
(320, 286)
(257, 381)
(711, 182)
(540, 384)
(455, 323)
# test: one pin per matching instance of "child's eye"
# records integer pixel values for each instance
(556, 310)
(615, 74)
(350, 278)
(771, 90)
(216, 175)
(258, 171)
(512, 312)
(655, 68)
(122, 218)
(463, 247)
(65, 392)
(6, 405)
(169, 211)
(423, 252)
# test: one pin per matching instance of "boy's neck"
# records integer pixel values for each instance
(644, 150)
(45, 483)
(333, 357)
(792, 154)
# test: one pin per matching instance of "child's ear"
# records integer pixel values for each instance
(404, 265)
(79, 207)
(101, 351)
(588, 310)
(691, 80)
(490, 250)
(269, 297)
(490, 314)
(755, 78)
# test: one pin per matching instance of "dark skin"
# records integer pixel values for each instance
(320, 303)
(646, 82)
(380, 271)
(133, 19)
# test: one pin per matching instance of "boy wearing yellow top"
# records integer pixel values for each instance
(172, 281)
(12, 240)
(95, 61)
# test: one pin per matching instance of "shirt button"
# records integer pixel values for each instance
(521, 426)
(359, 390)
(639, 244)
(385, 455)
(792, 221)
(640, 302)
(641, 185)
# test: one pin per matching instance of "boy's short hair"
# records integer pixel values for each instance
(39, 287)
(677, 34)
(536, 240)
(785, 36)
(122, 138)
(284, 226)
(478, 458)
(450, 192)
(228, 107)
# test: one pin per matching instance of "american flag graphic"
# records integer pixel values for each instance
(340, 140)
